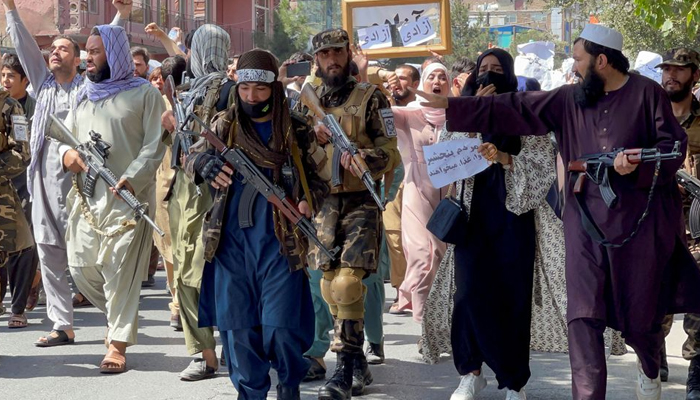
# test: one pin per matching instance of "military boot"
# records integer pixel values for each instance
(663, 369)
(693, 385)
(360, 375)
(288, 393)
(339, 387)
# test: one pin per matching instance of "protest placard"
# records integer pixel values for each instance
(453, 160)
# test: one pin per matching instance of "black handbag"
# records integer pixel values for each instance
(449, 220)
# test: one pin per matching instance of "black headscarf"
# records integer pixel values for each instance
(508, 144)
(508, 65)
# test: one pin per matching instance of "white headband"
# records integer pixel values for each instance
(255, 75)
(430, 69)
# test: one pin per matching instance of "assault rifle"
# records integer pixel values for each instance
(692, 187)
(94, 153)
(257, 182)
(341, 144)
(596, 166)
(183, 136)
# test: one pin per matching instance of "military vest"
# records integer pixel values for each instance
(351, 117)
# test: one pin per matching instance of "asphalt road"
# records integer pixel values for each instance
(71, 372)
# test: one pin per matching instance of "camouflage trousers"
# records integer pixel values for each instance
(348, 336)
(691, 326)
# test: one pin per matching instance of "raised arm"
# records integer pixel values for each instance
(123, 11)
(28, 51)
(170, 46)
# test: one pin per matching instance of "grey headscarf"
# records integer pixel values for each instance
(208, 60)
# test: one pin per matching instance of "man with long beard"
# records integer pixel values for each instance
(627, 265)
(108, 252)
(680, 74)
(349, 217)
(55, 88)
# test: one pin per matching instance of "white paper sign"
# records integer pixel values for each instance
(453, 160)
(417, 32)
(374, 37)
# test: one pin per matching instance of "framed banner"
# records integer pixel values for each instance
(399, 28)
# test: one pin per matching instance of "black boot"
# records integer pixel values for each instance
(288, 393)
(339, 387)
(375, 353)
(663, 369)
(360, 375)
(693, 385)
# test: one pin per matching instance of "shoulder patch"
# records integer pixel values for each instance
(388, 122)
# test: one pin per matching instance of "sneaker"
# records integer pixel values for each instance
(647, 388)
(513, 395)
(197, 370)
(469, 386)
(375, 353)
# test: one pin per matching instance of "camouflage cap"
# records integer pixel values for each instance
(682, 57)
(331, 38)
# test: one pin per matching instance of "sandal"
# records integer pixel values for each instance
(113, 363)
(50, 340)
(33, 298)
(81, 303)
(17, 321)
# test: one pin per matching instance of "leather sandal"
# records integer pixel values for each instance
(50, 340)
(113, 363)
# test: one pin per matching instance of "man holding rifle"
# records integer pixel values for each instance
(350, 216)
(254, 288)
(108, 251)
(627, 264)
(679, 76)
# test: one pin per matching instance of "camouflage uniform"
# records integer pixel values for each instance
(15, 234)
(691, 124)
(349, 217)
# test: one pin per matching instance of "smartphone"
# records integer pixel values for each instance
(172, 34)
(299, 69)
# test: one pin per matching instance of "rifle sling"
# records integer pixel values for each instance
(594, 231)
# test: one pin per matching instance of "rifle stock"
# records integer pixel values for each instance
(184, 137)
(691, 186)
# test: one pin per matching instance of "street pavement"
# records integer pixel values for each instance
(71, 372)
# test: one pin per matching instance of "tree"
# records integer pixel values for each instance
(640, 29)
(671, 15)
(291, 31)
(469, 37)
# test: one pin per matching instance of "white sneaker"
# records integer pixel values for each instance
(513, 395)
(647, 388)
(469, 386)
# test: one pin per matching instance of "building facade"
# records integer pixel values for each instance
(242, 19)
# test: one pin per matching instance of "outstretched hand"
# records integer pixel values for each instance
(432, 100)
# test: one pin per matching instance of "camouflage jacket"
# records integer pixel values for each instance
(15, 234)
(375, 135)
(222, 125)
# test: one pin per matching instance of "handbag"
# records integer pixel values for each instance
(449, 220)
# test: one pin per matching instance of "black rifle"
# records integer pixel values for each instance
(692, 187)
(183, 136)
(595, 167)
(94, 153)
(257, 182)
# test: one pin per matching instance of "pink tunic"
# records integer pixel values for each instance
(423, 251)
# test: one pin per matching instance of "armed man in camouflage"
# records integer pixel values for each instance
(15, 235)
(349, 217)
(681, 71)
(254, 288)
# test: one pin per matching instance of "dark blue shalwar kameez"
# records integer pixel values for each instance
(263, 311)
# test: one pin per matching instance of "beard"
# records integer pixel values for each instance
(590, 90)
(334, 81)
(402, 95)
(144, 75)
(102, 73)
(681, 94)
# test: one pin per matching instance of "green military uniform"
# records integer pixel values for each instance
(691, 124)
(186, 210)
(349, 217)
(15, 234)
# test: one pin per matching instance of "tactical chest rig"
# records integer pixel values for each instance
(351, 117)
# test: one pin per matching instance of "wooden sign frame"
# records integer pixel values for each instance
(444, 48)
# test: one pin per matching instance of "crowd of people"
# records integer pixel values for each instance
(531, 263)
